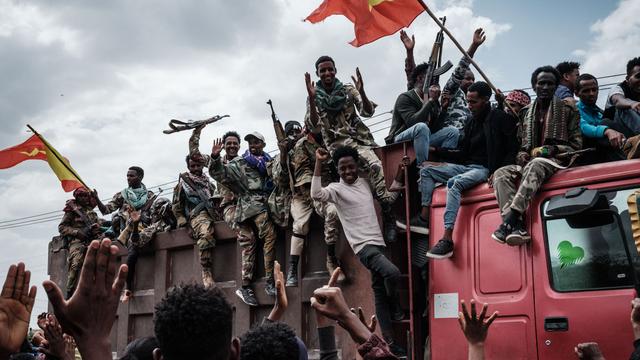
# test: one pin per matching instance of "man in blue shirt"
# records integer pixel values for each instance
(569, 72)
(604, 134)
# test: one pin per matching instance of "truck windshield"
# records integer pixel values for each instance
(590, 255)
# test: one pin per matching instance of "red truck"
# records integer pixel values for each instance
(573, 283)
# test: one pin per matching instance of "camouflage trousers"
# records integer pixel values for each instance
(246, 241)
(302, 207)
(267, 233)
(202, 232)
(75, 259)
(531, 176)
(371, 165)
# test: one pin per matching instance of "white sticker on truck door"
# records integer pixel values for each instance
(445, 306)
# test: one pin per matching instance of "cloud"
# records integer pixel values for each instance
(100, 80)
(615, 40)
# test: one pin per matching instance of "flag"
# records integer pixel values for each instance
(372, 19)
(37, 148)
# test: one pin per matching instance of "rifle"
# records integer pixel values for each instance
(436, 50)
(573, 153)
(281, 136)
(435, 69)
(178, 125)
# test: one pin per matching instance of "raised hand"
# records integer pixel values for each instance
(360, 314)
(475, 328)
(357, 81)
(90, 313)
(408, 43)
(55, 338)
(16, 304)
(281, 303)
(311, 87)
(479, 37)
(322, 154)
(216, 149)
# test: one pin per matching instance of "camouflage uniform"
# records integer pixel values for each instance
(251, 207)
(457, 114)
(244, 233)
(345, 128)
(192, 205)
(561, 129)
(303, 161)
(120, 220)
(79, 226)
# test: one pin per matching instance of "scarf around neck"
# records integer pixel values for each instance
(332, 101)
(257, 162)
(201, 181)
(556, 124)
(135, 197)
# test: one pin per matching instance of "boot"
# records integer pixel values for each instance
(332, 264)
(390, 232)
(292, 276)
(270, 286)
(207, 278)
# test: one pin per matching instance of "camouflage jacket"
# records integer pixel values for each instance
(117, 204)
(280, 198)
(344, 127)
(303, 160)
(146, 235)
(457, 113)
(246, 182)
(561, 129)
(186, 201)
(77, 222)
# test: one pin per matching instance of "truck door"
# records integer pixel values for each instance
(582, 283)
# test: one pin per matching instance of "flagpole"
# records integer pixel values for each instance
(464, 52)
(55, 153)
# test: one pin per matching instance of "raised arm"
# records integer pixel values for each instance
(317, 191)
(409, 62)
(453, 84)
(194, 146)
(312, 110)
(364, 105)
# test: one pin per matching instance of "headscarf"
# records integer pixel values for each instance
(518, 97)
(332, 101)
(135, 197)
(84, 191)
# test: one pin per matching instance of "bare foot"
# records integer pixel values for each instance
(126, 295)
(589, 351)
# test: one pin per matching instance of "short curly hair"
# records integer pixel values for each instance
(271, 341)
(631, 64)
(140, 349)
(193, 322)
(228, 134)
(567, 67)
(541, 69)
(345, 151)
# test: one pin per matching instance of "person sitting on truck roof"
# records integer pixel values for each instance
(490, 143)
(413, 114)
(354, 203)
(603, 134)
(623, 106)
(550, 132)
(569, 72)
(514, 102)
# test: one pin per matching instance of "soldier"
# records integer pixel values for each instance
(302, 207)
(244, 232)
(333, 115)
(549, 127)
(135, 197)
(162, 219)
(80, 225)
(247, 176)
(193, 206)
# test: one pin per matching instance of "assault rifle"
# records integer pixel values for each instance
(280, 137)
(179, 125)
(435, 68)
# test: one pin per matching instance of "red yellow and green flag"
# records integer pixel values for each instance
(372, 19)
(37, 148)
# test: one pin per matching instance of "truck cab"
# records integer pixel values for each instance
(572, 283)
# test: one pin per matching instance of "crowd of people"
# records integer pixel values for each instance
(327, 166)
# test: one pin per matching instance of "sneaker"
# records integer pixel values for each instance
(519, 236)
(207, 279)
(417, 225)
(247, 296)
(332, 264)
(270, 287)
(292, 276)
(500, 235)
(442, 250)
(398, 351)
(389, 227)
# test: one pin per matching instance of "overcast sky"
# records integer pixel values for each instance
(100, 80)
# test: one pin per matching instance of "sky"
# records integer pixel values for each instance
(101, 80)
